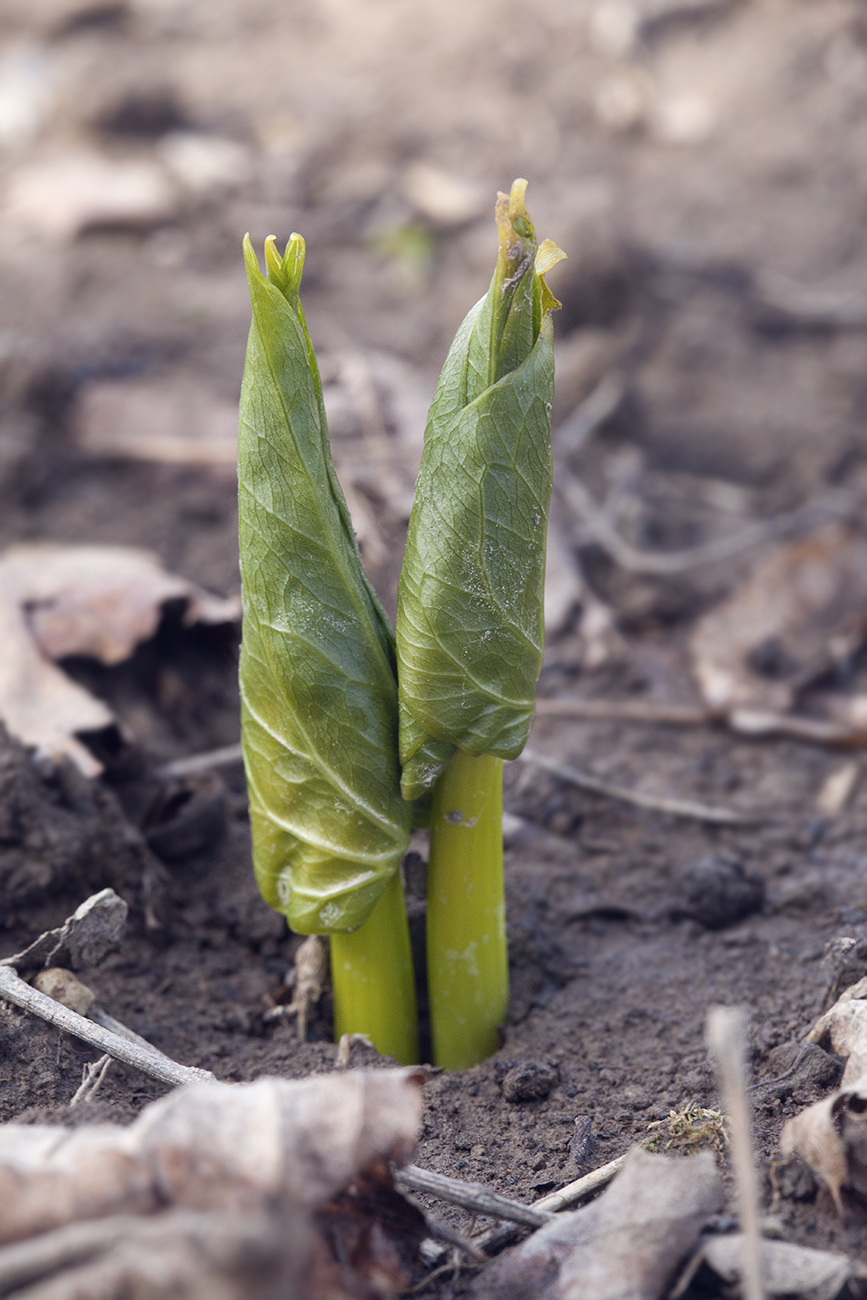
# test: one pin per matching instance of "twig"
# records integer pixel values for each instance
(597, 407)
(657, 803)
(676, 715)
(225, 756)
(470, 1196)
(585, 1186)
(834, 308)
(671, 563)
(504, 1233)
(726, 1037)
(759, 724)
(92, 1081)
(150, 1061)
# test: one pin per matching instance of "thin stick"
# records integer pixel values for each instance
(756, 723)
(585, 1186)
(225, 756)
(152, 1062)
(676, 715)
(470, 1196)
(657, 803)
(496, 1238)
(92, 1081)
(670, 563)
(725, 1034)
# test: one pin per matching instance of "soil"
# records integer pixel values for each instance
(702, 164)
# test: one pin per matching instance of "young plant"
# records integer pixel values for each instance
(318, 684)
(470, 622)
(323, 693)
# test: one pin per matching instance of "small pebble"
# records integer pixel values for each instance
(719, 890)
(530, 1081)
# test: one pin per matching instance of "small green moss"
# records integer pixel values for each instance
(688, 1129)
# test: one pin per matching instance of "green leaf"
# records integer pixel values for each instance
(318, 687)
(470, 614)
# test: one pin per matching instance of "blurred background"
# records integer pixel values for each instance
(701, 162)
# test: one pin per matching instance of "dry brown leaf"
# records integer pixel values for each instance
(831, 1135)
(292, 1174)
(787, 1269)
(173, 422)
(800, 610)
(97, 601)
(625, 1246)
(178, 1253)
(211, 1146)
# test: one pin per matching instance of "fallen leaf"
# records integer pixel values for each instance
(625, 1246)
(97, 601)
(787, 1269)
(252, 1166)
(837, 789)
(798, 613)
(831, 1135)
(61, 197)
(177, 423)
(179, 1253)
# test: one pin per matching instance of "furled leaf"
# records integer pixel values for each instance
(318, 689)
(470, 618)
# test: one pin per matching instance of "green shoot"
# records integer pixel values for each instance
(346, 727)
(468, 968)
(372, 979)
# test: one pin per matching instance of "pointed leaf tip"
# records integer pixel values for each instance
(547, 257)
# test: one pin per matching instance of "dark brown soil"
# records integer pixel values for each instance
(742, 161)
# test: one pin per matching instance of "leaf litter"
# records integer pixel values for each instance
(57, 601)
(295, 1174)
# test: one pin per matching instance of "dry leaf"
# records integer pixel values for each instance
(787, 1270)
(180, 1253)
(99, 601)
(798, 613)
(239, 1164)
(174, 422)
(93, 930)
(831, 1135)
(625, 1246)
(837, 789)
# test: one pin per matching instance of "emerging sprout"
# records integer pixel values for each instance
(324, 695)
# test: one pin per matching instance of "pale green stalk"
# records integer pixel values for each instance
(468, 970)
(373, 981)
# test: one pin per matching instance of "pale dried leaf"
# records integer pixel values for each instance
(837, 789)
(787, 1269)
(178, 1253)
(173, 422)
(212, 1146)
(844, 1025)
(97, 601)
(831, 1135)
(800, 609)
(59, 198)
(625, 1246)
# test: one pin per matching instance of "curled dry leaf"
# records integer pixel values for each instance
(93, 930)
(98, 601)
(831, 1135)
(627, 1244)
(800, 610)
(787, 1269)
(214, 1162)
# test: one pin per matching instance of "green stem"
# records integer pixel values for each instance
(467, 961)
(372, 977)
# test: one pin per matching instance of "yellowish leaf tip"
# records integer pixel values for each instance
(546, 258)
